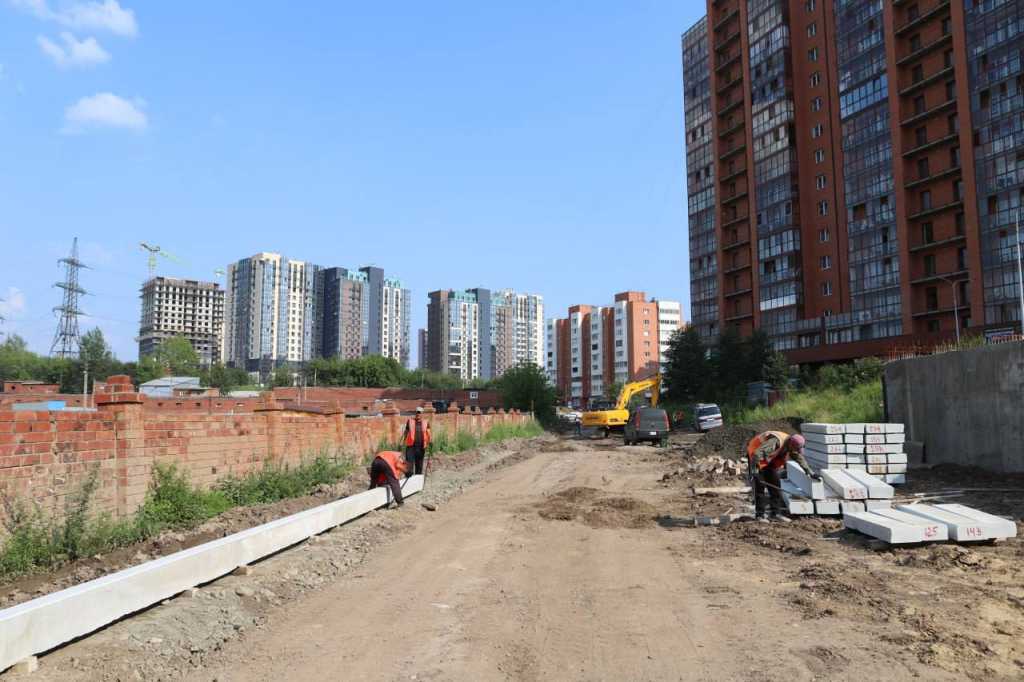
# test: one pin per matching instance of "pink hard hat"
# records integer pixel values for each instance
(797, 440)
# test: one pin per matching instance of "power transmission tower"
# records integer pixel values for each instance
(66, 341)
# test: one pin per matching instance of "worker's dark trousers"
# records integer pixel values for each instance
(763, 493)
(414, 455)
(380, 468)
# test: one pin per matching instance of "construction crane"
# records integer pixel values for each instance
(155, 251)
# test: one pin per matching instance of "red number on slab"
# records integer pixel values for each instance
(931, 531)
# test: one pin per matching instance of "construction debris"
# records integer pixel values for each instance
(877, 449)
(839, 491)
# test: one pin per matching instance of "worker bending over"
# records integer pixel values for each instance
(417, 439)
(387, 466)
(767, 454)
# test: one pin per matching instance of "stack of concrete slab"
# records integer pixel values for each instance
(915, 523)
(839, 491)
(876, 449)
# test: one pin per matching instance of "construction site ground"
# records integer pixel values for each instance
(545, 560)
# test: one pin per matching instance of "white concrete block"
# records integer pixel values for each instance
(895, 468)
(856, 467)
(811, 488)
(960, 528)
(878, 469)
(896, 479)
(830, 449)
(895, 438)
(855, 448)
(894, 428)
(847, 506)
(874, 428)
(1002, 528)
(824, 438)
(843, 484)
(874, 438)
(875, 505)
(53, 619)
(877, 459)
(855, 459)
(814, 427)
(853, 428)
(877, 488)
(826, 459)
(854, 438)
(827, 507)
(896, 458)
(894, 527)
(883, 448)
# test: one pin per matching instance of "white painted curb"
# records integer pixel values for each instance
(41, 624)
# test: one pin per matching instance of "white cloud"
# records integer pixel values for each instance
(90, 14)
(73, 52)
(13, 304)
(105, 110)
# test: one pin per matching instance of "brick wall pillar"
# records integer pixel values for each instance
(271, 411)
(133, 465)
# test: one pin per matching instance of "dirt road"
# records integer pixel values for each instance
(553, 569)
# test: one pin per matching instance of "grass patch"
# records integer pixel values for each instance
(861, 403)
(445, 443)
(500, 432)
(36, 541)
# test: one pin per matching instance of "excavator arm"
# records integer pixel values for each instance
(615, 418)
(632, 388)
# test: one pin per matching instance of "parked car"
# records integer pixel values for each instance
(646, 424)
(706, 416)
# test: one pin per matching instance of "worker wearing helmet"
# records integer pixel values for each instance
(387, 466)
(767, 454)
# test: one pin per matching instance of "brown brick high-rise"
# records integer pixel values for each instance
(853, 171)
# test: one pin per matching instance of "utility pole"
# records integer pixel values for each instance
(66, 341)
(1020, 274)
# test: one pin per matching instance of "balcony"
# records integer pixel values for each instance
(936, 209)
(955, 276)
(735, 174)
(739, 316)
(735, 102)
(941, 175)
(733, 197)
(732, 151)
(736, 268)
(735, 245)
(726, 61)
(727, 86)
(928, 113)
(726, 41)
(943, 311)
(931, 145)
(939, 244)
(731, 129)
(735, 221)
(922, 51)
(925, 82)
(729, 15)
(943, 5)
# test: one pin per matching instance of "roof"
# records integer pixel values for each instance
(172, 382)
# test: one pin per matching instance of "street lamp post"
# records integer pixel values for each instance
(956, 307)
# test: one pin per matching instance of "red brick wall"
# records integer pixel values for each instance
(350, 397)
(44, 456)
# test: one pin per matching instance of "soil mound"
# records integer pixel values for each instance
(597, 510)
(731, 440)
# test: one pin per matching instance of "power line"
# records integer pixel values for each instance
(67, 340)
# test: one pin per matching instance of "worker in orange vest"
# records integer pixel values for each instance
(387, 466)
(416, 437)
(767, 454)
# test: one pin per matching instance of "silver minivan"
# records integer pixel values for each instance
(706, 416)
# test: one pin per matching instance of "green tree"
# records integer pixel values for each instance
(173, 357)
(225, 379)
(612, 391)
(526, 387)
(776, 370)
(688, 374)
(759, 352)
(94, 356)
(282, 376)
(730, 365)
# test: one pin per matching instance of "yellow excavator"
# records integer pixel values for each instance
(615, 418)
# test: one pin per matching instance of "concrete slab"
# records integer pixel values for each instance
(830, 449)
(895, 437)
(883, 448)
(895, 468)
(876, 459)
(875, 469)
(959, 527)
(843, 484)
(897, 458)
(850, 466)
(854, 438)
(810, 487)
(894, 428)
(894, 527)
(847, 506)
(877, 488)
(875, 505)
(824, 438)
(41, 624)
(855, 448)
(895, 479)
(816, 427)
(874, 428)
(874, 438)
(1005, 527)
(854, 427)
(827, 507)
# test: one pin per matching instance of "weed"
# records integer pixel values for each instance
(860, 403)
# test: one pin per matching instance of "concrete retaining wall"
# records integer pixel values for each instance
(967, 407)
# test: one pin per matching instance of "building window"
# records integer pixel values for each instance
(961, 258)
(826, 288)
(933, 326)
(912, 12)
(948, 58)
(809, 5)
(917, 75)
(931, 298)
(826, 262)
(812, 29)
(929, 265)
(921, 135)
(958, 190)
(919, 104)
(925, 200)
(815, 79)
(954, 157)
(922, 168)
(954, 124)
(817, 131)
(927, 235)
(947, 26)
(819, 155)
(960, 223)
(950, 91)
(816, 104)
(820, 181)
(823, 207)
(823, 235)
(812, 54)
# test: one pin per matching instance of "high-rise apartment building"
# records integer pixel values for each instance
(388, 316)
(343, 313)
(182, 307)
(852, 170)
(596, 347)
(271, 313)
(421, 336)
(479, 333)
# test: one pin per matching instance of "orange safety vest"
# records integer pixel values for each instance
(395, 462)
(410, 434)
(762, 456)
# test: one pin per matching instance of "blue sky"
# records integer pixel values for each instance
(531, 145)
